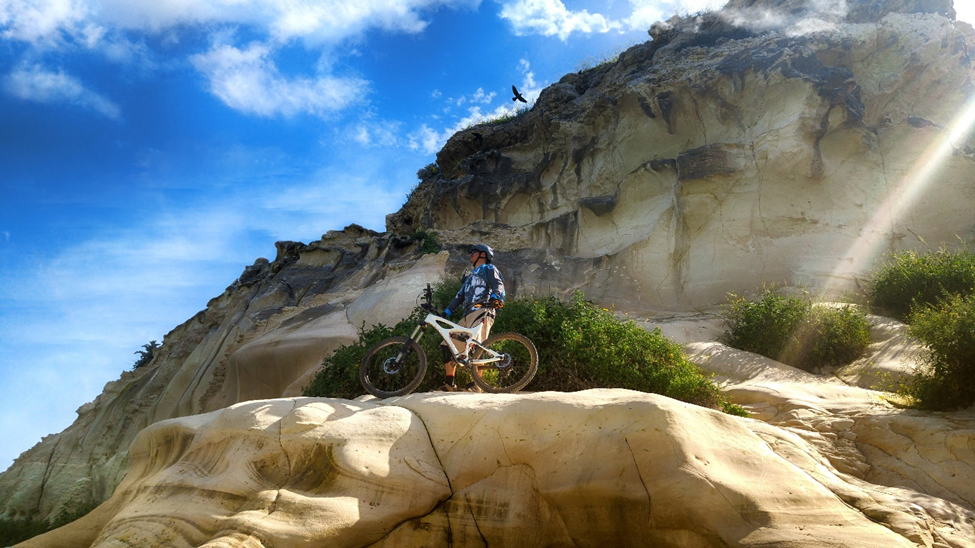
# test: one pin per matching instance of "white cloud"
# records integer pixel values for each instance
(317, 21)
(648, 12)
(483, 98)
(552, 18)
(430, 141)
(248, 80)
(965, 10)
(478, 97)
(370, 134)
(40, 22)
(245, 78)
(35, 83)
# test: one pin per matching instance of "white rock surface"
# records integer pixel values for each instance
(593, 468)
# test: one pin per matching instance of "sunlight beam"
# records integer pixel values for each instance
(879, 229)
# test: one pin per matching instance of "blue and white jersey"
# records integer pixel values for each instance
(479, 287)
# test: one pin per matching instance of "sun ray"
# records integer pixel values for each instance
(877, 234)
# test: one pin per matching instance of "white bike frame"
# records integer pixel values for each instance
(447, 328)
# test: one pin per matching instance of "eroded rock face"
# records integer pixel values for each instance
(720, 156)
(714, 158)
(601, 467)
(264, 337)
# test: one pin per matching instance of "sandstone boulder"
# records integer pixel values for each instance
(595, 468)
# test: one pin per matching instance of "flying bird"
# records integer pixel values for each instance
(517, 96)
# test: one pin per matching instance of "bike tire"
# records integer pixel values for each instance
(513, 375)
(383, 377)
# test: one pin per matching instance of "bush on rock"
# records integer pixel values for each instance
(580, 346)
(795, 331)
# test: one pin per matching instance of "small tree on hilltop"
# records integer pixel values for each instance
(145, 356)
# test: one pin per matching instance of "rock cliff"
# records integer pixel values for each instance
(594, 468)
(717, 156)
(773, 141)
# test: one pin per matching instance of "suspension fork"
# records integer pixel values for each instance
(418, 332)
(415, 337)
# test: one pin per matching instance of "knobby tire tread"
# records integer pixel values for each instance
(524, 380)
(365, 365)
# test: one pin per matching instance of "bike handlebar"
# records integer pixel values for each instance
(428, 305)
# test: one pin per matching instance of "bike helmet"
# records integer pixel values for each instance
(483, 249)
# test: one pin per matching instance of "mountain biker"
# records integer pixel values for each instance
(481, 294)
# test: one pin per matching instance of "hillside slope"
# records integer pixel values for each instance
(709, 160)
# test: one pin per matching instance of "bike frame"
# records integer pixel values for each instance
(445, 328)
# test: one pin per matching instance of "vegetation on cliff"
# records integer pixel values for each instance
(935, 294)
(947, 377)
(580, 346)
(909, 280)
(16, 530)
(795, 331)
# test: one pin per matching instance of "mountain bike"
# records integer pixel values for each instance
(505, 362)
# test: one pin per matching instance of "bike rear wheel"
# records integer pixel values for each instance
(515, 369)
(393, 367)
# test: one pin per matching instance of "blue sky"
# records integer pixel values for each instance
(151, 149)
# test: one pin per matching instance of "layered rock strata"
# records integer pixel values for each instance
(724, 154)
(594, 468)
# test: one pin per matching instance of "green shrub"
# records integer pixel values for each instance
(831, 337)
(580, 346)
(764, 326)
(908, 280)
(733, 409)
(16, 530)
(13, 531)
(504, 117)
(426, 241)
(947, 329)
(145, 356)
(339, 375)
(597, 61)
(795, 332)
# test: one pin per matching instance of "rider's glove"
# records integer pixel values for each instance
(446, 312)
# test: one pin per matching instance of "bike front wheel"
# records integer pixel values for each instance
(511, 368)
(393, 367)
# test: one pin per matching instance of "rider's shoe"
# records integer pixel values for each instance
(448, 388)
(471, 387)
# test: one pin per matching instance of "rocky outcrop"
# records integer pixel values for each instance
(601, 467)
(728, 151)
(264, 337)
(724, 154)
